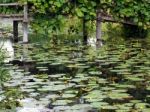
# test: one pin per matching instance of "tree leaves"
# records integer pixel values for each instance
(79, 12)
(137, 11)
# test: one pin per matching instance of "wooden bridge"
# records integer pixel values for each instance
(15, 18)
(25, 20)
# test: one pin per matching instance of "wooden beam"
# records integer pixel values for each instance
(10, 15)
(111, 19)
(98, 27)
(25, 12)
(17, 17)
(10, 4)
(13, 17)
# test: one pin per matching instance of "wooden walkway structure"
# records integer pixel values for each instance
(25, 20)
(16, 18)
(101, 17)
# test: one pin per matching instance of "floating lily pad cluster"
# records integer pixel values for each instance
(68, 78)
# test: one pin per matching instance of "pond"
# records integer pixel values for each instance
(73, 77)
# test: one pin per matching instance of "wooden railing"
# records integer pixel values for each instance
(17, 18)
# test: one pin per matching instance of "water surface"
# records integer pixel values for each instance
(73, 77)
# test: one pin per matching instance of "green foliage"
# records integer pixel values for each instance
(55, 12)
(110, 30)
(7, 98)
(137, 11)
(4, 74)
(10, 99)
(56, 27)
(10, 9)
(8, 1)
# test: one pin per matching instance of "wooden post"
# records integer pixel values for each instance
(98, 28)
(15, 31)
(25, 24)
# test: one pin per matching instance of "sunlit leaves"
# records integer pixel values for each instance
(136, 11)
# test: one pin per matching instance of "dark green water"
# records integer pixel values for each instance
(65, 78)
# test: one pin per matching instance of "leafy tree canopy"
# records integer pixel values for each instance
(137, 11)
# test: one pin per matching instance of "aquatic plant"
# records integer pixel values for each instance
(4, 75)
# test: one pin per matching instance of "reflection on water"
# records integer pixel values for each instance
(7, 46)
(92, 42)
